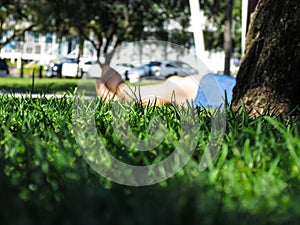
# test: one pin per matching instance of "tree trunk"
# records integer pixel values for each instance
(80, 53)
(269, 77)
(251, 7)
(70, 40)
(228, 36)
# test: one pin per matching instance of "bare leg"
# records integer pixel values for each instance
(180, 90)
(174, 89)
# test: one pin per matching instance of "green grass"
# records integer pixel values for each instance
(29, 69)
(44, 178)
(44, 85)
(48, 85)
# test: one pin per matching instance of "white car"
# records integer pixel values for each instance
(122, 69)
(93, 70)
(70, 70)
(86, 66)
(139, 72)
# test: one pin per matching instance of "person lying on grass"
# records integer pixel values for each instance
(205, 90)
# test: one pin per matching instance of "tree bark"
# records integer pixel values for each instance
(251, 7)
(228, 36)
(268, 80)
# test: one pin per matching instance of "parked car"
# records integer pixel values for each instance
(123, 69)
(70, 69)
(93, 69)
(85, 67)
(3, 68)
(165, 69)
(138, 73)
(54, 69)
(160, 70)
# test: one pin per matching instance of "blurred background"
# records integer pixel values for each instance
(49, 34)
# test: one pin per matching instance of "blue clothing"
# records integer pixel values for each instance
(213, 89)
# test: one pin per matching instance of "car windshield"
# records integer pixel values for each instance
(90, 62)
(140, 67)
(155, 63)
(125, 65)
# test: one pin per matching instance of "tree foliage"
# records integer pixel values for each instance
(107, 23)
(214, 34)
(15, 20)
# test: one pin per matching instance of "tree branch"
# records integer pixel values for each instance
(16, 34)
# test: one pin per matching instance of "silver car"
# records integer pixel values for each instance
(165, 69)
(160, 70)
(138, 73)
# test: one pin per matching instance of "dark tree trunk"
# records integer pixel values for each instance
(70, 43)
(228, 36)
(80, 53)
(269, 77)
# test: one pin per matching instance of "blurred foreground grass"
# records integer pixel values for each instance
(44, 178)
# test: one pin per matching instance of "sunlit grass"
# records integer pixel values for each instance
(44, 85)
(49, 85)
(253, 180)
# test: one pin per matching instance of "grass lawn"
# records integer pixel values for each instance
(44, 85)
(48, 85)
(44, 178)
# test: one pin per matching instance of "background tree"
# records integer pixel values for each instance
(228, 35)
(105, 24)
(214, 32)
(57, 17)
(173, 22)
(15, 20)
(112, 22)
(223, 31)
(269, 76)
